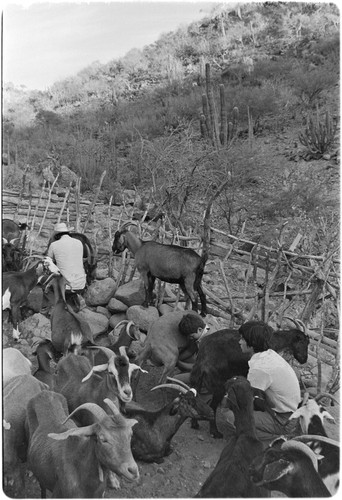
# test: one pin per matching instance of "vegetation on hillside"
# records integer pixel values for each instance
(139, 117)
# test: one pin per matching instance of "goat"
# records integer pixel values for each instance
(230, 477)
(17, 285)
(67, 327)
(11, 253)
(128, 333)
(170, 263)
(152, 435)
(89, 257)
(289, 467)
(14, 363)
(220, 358)
(311, 415)
(71, 461)
(46, 353)
(164, 340)
(77, 381)
(17, 392)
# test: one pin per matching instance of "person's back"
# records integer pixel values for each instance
(282, 392)
(68, 255)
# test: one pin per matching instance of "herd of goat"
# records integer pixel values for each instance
(74, 421)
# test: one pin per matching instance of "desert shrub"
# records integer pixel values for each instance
(260, 102)
(12, 177)
(309, 85)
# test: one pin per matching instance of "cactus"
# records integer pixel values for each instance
(318, 137)
(211, 106)
(209, 118)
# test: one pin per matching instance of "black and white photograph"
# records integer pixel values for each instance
(170, 197)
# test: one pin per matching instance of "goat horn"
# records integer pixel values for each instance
(129, 223)
(305, 398)
(299, 324)
(314, 437)
(120, 323)
(295, 445)
(322, 395)
(112, 406)
(36, 256)
(178, 387)
(94, 409)
(109, 353)
(180, 382)
(122, 351)
(12, 241)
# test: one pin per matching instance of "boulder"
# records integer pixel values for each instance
(101, 273)
(97, 322)
(104, 311)
(100, 292)
(143, 317)
(35, 326)
(116, 306)
(165, 308)
(131, 293)
(116, 318)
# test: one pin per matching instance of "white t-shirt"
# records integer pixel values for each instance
(68, 255)
(269, 372)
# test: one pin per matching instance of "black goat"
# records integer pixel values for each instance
(220, 358)
(89, 257)
(67, 327)
(289, 467)
(311, 415)
(46, 353)
(17, 285)
(128, 333)
(230, 477)
(170, 263)
(152, 435)
(11, 253)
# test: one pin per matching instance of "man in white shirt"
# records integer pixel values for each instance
(277, 382)
(67, 253)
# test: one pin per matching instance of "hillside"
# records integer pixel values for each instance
(265, 121)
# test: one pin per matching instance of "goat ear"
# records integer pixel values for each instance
(277, 470)
(175, 407)
(98, 368)
(329, 417)
(297, 413)
(89, 430)
(4, 241)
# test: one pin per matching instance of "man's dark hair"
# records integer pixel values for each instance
(190, 323)
(59, 235)
(256, 334)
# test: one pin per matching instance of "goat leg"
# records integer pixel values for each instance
(203, 300)
(16, 317)
(215, 433)
(149, 289)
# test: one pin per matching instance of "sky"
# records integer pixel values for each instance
(44, 42)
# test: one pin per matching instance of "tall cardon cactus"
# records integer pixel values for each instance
(221, 135)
